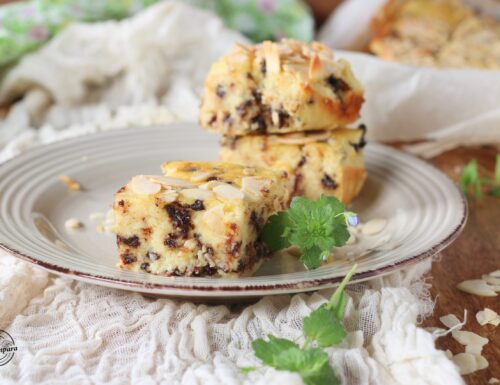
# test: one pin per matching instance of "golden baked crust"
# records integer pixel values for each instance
(439, 33)
(318, 162)
(199, 219)
(279, 88)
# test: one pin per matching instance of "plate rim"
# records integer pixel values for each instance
(247, 289)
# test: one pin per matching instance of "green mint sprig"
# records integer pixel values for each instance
(314, 226)
(323, 328)
(470, 181)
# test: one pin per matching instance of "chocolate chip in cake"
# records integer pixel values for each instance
(197, 205)
(257, 96)
(171, 240)
(211, 178)
(131, 241)
(128, 259)
(263, 67)
(254, 220)
(260, 123)
(242, 109)
(181, 217)
(283, 117)
(153, 256)
(145, 266)
(302, 161)
(338, 85)
(328, 182)
(234, 248)
(362, 141)
(219, 91)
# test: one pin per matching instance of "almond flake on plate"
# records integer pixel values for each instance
(487, 316)
(72, 184)
(352, 240)
(477, 287)
(142, 185)
(468, 338)
(226, 191)
(373, 226)
(73, 224)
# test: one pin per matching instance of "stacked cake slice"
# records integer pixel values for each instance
(286, 106)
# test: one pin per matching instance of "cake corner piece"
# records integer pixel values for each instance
(197, 219)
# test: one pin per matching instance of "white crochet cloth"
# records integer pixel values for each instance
(68, 332)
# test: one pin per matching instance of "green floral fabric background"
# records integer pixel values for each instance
(25, 26)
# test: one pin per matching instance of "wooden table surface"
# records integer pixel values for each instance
(475, 252)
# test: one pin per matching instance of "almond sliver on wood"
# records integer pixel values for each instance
(477, 287)
(469, 338)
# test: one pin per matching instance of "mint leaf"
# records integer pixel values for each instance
(248, 369)
(324, 327)
(312, 364)
(337, 301)
(470, 179)
(495, 191)
(274, 231)
(268, 351)
(314, 226)
(312, 257)
(497, 170)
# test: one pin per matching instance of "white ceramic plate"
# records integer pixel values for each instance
(424, 209)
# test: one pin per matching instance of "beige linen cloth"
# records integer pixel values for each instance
(144, 71)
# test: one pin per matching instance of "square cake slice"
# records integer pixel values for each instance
(198, 219)
(317, 162)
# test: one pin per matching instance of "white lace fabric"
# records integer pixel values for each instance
(70, 332)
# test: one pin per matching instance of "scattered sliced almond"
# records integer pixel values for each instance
(213, 218)
(495, 273)
(493, 380)
(300, 138)
(168, 196)
(72, 184)
(373, 226)
(487, 316)
(450, 321)
(226, 191)
(272, 56)
(169, 181)
(248, 171)
(73, 224)
(352, 240)
(201, 176)
(144, 186)
(209, 185)
(475, 349)
(96, 216)
(491, 279)
(196, 193)
(477, 287)
(254, 186)
(466, 362)
(481, 362)
(448, 353)
(468, 338)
